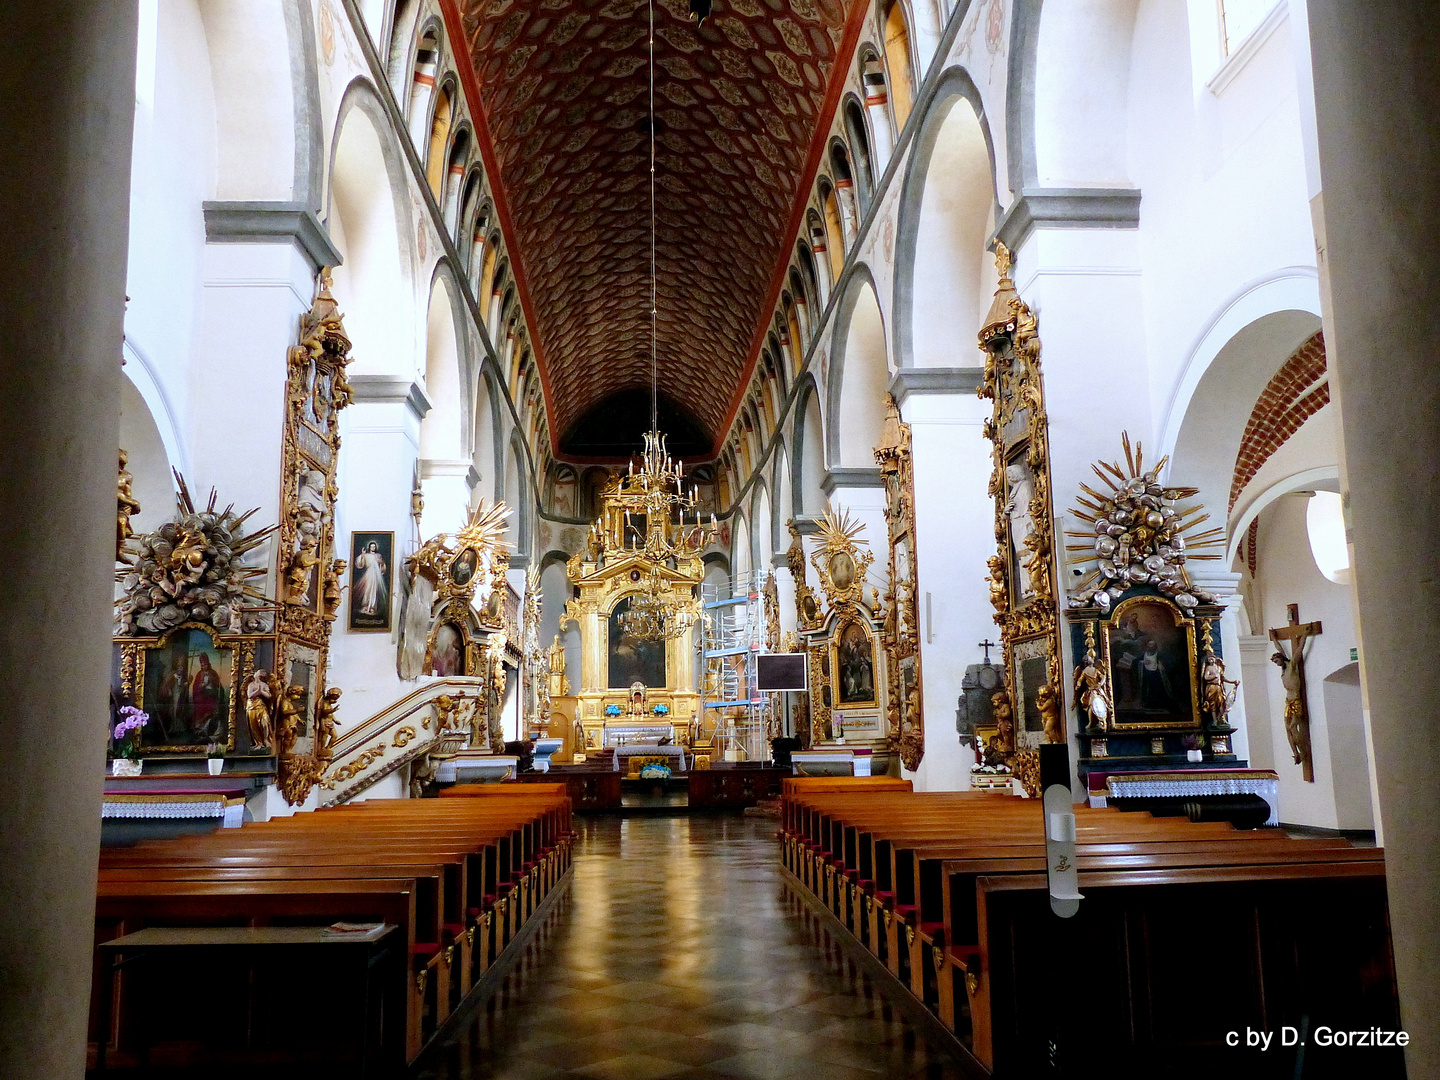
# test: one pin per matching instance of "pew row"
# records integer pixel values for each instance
(1187, 931)
(461, 879)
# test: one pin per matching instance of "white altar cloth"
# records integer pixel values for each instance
(674, 754)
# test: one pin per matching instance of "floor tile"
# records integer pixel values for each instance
(679, 954)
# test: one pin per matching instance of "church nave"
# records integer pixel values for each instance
(679, 952)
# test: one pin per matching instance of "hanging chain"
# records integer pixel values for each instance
(654, 289)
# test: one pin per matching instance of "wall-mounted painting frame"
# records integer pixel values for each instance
(372, 581)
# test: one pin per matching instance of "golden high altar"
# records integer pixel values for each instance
(636, 608)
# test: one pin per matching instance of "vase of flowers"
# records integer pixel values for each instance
(215, 754)
(126, 755)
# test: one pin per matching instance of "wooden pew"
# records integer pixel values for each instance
(440, 870)
(940, 886)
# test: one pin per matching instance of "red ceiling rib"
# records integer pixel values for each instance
(853, 25)
(455, 32)
(558, 91)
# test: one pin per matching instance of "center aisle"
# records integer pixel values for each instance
(679, 953)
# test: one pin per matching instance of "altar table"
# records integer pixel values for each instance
(675, 756)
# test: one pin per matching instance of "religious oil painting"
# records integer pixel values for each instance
(447, 651)
(1032, 671)
(372, 578)
(1151, 648)
(189, 683)
(855, 664)
(634, 661)
(464, 567)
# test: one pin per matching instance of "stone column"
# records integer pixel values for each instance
(67, 103)
(954, 535)
(1375, 99)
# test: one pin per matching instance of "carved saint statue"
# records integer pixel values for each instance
(260, 708)
(1218, 692)
(325, 725)
(334, 587)
(1092, 690)
(1000, 745)
(125, 506)
(1047, 701)
(1020, 489)
(999, 595)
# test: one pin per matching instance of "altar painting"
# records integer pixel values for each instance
(1149, 645)
(632, 661)
(188, 688)
(855, 666)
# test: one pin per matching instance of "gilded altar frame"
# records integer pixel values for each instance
(603, 582)
(1103, 634)
(900, 612)
(133, 655)
(842, 561)
(309, 578)
(1022, 578)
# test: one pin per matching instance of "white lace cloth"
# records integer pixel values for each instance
(1169, 787)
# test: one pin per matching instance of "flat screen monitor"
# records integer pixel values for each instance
(781, 671)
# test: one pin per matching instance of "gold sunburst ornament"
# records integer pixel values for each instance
(841, 559)
(1139, 534)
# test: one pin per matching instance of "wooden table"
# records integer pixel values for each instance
(375, 947)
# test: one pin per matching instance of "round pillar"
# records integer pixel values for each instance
(1376, 97)
(67, 104)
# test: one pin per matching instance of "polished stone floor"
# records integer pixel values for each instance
(678, 952)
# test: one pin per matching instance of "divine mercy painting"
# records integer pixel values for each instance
(372, 573)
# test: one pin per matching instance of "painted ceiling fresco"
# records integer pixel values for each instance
(565, 91)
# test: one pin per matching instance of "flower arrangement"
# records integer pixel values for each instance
(127, 741)
(662, 710)
(612, 710)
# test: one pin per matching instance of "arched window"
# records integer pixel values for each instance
(860, 146)
(877, 99)
(819, 245)
(897, 59)
(844, 193)
(422, 86)
(486, 288)
(801, 290)
(834, 235)
(439, 137)
(470, 232)
(454, 182)
(792, 323)
(812, 278)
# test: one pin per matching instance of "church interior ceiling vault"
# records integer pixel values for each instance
(740, 103)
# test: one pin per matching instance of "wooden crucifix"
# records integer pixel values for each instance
(1292, 676)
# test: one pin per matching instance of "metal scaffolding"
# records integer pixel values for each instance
(733, 636)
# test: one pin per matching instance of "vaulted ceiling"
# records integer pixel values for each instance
(738, 101)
